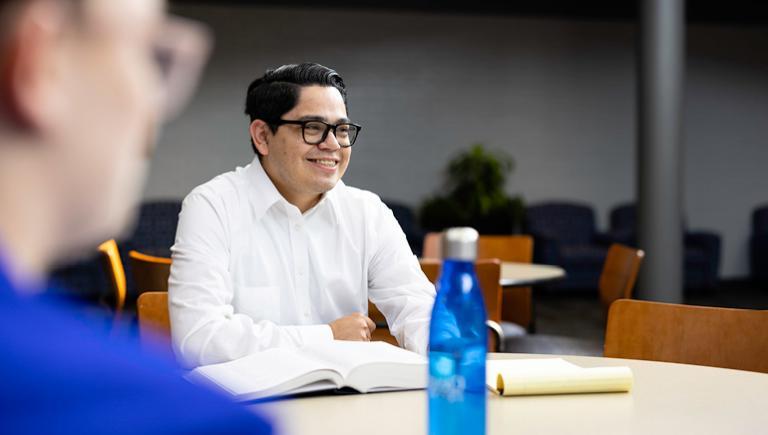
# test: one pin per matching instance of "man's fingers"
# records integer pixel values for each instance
(371, 324)
(356, 326)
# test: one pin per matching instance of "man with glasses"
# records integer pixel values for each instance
(282, 252)
(83, 87)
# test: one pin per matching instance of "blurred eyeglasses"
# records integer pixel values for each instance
(315, 132)
(181, 51)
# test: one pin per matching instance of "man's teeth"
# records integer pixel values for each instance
(328, 163)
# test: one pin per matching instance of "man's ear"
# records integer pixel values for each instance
(260, 134)
(29, 74)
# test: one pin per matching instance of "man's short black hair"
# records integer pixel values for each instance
(275, 93)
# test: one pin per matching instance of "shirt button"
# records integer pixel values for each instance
(306, 314)
(297, 227)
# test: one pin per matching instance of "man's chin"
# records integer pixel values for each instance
(324, 185)
(84, 244)
(117, 219)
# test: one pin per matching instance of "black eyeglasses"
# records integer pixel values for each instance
(315, 132)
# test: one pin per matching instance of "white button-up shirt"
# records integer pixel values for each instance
(251, 272)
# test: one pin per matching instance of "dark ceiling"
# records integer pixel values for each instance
(731, 12)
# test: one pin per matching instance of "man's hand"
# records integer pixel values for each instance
(355, 327)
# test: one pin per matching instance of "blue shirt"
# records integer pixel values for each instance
(57, 375)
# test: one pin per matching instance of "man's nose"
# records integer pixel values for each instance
(330, 143)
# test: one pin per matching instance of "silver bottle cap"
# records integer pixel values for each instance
(460, 243)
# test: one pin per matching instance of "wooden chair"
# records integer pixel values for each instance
(488, 274)
(154, 320)
(150, 273)
(617, 281)
(517, 302)
(620, 270)
(433, 246)
(113, 267)
(710, 336)
(487, 270)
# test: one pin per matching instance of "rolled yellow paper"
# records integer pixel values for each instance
(583, 380)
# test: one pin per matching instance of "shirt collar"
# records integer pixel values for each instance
(265, 195)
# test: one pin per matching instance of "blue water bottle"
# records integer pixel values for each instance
(458, 341)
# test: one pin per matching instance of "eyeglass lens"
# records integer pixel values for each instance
(316, 132)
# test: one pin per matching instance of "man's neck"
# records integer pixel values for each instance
(27, 227)
(303, 202)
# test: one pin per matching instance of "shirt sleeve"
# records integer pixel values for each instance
(397, 285)
(204, 325)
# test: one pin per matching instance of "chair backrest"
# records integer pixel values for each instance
(156, 226)
(710, 336)
(431, 268)
(150, 273)
(517, 305)
(620, 270)
(154, 319)
(517, 248)
(760, 220)
(407, 220)
(488, 275)
(113, 267)
(433, 246)
(561, 221)
(623, 217)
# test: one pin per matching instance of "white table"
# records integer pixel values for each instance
(525, 274)
(666, 399)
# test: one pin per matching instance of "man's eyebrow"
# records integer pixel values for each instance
(311, 118)
(343, 120)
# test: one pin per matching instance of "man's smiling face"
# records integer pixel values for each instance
(302, 172)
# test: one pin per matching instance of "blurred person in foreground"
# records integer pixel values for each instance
(281, 253)
(83, 86)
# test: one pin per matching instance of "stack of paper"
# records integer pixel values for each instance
(554, 376)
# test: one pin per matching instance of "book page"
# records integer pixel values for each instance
(373, 366)
(270, 372)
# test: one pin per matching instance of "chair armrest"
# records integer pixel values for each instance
(498, 334)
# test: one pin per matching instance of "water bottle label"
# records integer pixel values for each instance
(451, 389)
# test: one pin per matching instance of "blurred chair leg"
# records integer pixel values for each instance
(517, 306)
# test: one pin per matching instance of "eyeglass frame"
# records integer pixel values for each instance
(328, 128)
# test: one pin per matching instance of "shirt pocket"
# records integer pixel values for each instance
(258, 302)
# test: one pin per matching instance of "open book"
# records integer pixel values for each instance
(518, 377)
(363, 366)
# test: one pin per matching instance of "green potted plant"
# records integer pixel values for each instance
(475, 195)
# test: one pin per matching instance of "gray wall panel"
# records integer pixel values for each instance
(557, 95)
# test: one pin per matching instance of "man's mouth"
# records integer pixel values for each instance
(327, 163)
